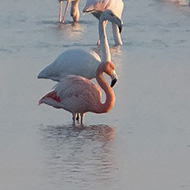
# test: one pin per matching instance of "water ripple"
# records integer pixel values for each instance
(80, 155)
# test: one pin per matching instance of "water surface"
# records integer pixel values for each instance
(142, 144)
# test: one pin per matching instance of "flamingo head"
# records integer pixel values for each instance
(109, 69)
(109, 15)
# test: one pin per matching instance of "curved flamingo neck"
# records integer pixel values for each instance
(103, 40)
(110, 96)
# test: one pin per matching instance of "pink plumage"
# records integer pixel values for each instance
(77, 94)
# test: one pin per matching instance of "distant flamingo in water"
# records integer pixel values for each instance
(79, 61)
(97, 7)
(74, 10)
(77, 94)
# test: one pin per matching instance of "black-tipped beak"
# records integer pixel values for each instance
(113, 82)
(119, 23)
(114, 78)
(120, 28)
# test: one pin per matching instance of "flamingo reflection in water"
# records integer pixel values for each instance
(79, 155)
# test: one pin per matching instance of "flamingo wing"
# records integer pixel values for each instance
(72, 62)
(78, 94)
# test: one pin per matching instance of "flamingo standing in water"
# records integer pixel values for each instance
(74, 10)
(79, 95)
(81, 62)
(97, 7)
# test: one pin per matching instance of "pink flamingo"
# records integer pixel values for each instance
(79, 95)
(74, 10)
(97, 7)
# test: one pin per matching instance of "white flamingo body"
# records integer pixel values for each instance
(97, 7)
(72, 62)
(78, 61)
(74, 10)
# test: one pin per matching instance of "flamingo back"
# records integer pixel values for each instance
(116, 6)
(72, 62)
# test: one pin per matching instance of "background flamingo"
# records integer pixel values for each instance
(81, 62)
(97, 7)
(77, 94)
(74, 10)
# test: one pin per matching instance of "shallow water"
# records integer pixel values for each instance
(142, 144)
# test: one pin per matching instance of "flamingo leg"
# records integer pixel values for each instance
(82, 117)
(77, 116)
(74, 118)
(60, 10)
(75, 10)
(66, 10)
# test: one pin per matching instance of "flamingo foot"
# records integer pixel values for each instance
(62, 21)
(82, 118)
